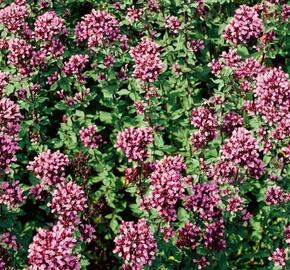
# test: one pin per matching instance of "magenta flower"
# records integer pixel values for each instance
(135, 244)
(90, 137)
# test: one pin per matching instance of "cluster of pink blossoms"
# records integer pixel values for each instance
(97, 28)
(204, 200)
(173, 24)
(76, 64)
(48, 26)
(49, 167)
(242, 149)
(23, 56)
(8, 149)
(13, 16)
(273, 95)
(245, 25)
(134, 14)
(11, 195)
(53, 249)
(231, 121)
(167, 187)
(188, 235)
(203, 119)
(133, 142)
(214, 237)
(275, 195)
(68, 200)
(135, 244)
(4, 80)
(197, 45)
(9, 117)
(9, 241)
(235, 204)
(90, 137)
(147, 62)
(279, 257)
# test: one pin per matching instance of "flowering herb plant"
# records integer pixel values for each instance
(144, 134)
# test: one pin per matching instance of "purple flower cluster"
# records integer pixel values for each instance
(48, 26)
(13, 16)
(53, 249)
(203, 119)
(231, 121)
(275, 196)
(279, 257)
(8, 149)
(166, 186)
(75, 65)
(214, 237)
(147, 62)
(96, 28)
(197, 45)
(204, 200)
(90, 137)
(235, 204)
(49, 167)
(188, 235)
(273, 95)
(9, 117)
(68, 200)
(173, 24)
(134, 14)
(4, 80)
(133, 142)
(11, 195)
(135, 244)
(242, 149)
(9, 240)
(245, 25)
(88, 233)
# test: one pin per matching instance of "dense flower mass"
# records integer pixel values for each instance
(242, 149)
(11, 195)
(167, 186)
(9, 117)
(68, 200)
(204, 200)
(149, 134)
(148, 65)
(49, 167)
(96, 28)
(133, 142)
(273, 95)
(48, 26)
(135, 244)
(245, 26)
(52, 249)
(13, 16)
(90, 137)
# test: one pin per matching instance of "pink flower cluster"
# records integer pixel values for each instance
(188, 235)
(76, 64)
(9, 117)
(166, 186)
(134, 14)
(49, 167)
(279, 257)
(173, 24)
(68, 200)
(97, 28)
(11, 195)
(48, 26)
(4, 80)
(214, 237)
(235, 204)
(197, 45)
(203, 119)
(133, 142)
(8, 149)
(275, 196)
(242, 149)
(204, 200)
(231, 121)
(23, 56)
(245, 25)
(53, 249)
(148, 65)
(90, 137)
(13, 16)
(88, 233)
(273, 95)
(135, 244)
(9, 240)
